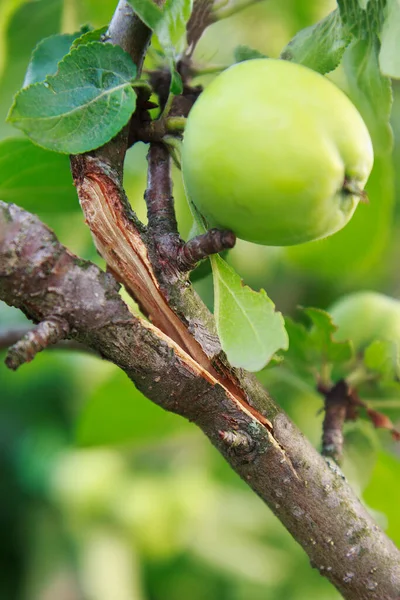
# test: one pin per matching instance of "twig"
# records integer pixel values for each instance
(175, 124)
(338, 409)
(49, 331)
(129, 32)
(202, 246)
(342, 403)
(9, 337)
(170, 255)
(207, 70)
(201, 18)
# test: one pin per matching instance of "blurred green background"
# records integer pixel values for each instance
(103, 495)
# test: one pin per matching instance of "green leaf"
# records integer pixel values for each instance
(242, 53)
(148, 12)
(389, 56)
(171, 31)
(169, 25)
(94, 35)
(168, 22)
(176, 87)
(382, 356)
(82, 106)
(31, 22)
(199, 225)
(118, 413)
(370, 91)
(321, 46)
(364, 19)
(249, 328)
(47, 55)
(321, 337)
(36, 179)
(298, 355)
(312, 349)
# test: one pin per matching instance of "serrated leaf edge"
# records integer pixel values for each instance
(48, 80)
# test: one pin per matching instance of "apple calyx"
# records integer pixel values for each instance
(352, 186)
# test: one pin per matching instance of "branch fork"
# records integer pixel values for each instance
(171, 254)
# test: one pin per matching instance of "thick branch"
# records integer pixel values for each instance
(310, 496)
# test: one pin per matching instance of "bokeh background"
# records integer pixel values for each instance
(103, 495)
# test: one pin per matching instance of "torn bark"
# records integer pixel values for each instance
(310, 496)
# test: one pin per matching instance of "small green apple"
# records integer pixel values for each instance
(275, 152)
(364, 317)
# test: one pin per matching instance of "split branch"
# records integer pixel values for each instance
(309, 495)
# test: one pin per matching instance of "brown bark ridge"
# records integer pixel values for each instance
(175, 359)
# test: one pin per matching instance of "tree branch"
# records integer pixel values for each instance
(9, 337)
(49, 331)
(169, 254)
(309, 495)
(202, 246)
(338, 409)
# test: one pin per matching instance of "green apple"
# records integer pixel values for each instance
(275, 152)
(366, 316)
